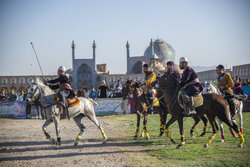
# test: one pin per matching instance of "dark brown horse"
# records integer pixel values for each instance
(141, 107)
(213, 105)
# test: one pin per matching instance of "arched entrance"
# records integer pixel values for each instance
(84, 74)
(137, 68)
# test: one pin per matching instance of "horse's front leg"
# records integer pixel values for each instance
(138, 125)
(197, 120)
(145, 130)
(204, 119)
(182, 142)
(47, 135)
(57, 126)
(169, 135)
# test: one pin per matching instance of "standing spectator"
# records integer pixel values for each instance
(248, 82)
(28, 105)
(80, 93)
(93, 94)
(86, 92)
(12, 96)
(103, 90)
(20, 96)
(237, 87)
(118, 89)
(244, 82)
(3, 95)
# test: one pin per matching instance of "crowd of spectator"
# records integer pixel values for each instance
(103, 91)
(12, 95)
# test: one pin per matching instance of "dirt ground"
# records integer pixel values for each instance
(22, 143)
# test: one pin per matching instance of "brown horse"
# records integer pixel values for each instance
(141, 107)
(213, 105)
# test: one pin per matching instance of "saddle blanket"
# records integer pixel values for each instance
(198, 100)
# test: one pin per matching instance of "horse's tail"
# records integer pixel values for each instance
(93, 101)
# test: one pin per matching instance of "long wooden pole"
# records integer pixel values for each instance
(37, 59)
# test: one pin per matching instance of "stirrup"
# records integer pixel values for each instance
(189, 112)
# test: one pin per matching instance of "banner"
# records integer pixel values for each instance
(12, 109)
(112, 107)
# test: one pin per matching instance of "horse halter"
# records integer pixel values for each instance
(36, 93)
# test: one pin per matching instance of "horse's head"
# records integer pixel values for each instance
(129, 88)
(168, 81)
(210, 88)
(35, 90)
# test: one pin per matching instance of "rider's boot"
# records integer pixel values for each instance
(232, 107)
(188, 105)
(62, 99)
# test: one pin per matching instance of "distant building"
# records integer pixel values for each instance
(242, 71)
(87, 73)
(19, 83)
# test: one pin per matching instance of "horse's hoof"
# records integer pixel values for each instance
(104, 141)
(178, 146)
(192, 135)
(222, 140)
(52, 140)
(147, 137)
(202, 134)
(160, 135)
(240, 145)
(58, 146)
(205, 145)
(76, 143)
(173, 141)
(142, 135)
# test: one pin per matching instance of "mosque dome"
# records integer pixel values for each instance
(162, 49)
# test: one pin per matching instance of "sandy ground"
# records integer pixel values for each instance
(22, 143)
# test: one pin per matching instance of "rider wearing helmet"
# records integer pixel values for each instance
(190, 86)
(62, 82)
(150, 77)
(225, 85)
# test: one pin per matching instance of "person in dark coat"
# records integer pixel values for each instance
(62, 83)
(190, 86)
(171, 71)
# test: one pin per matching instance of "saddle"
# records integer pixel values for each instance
(197, 100)
(73, 102)
(70, 102)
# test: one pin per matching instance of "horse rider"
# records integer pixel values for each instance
(171, 71)
(62, 82)
(150, 77)
(225, 85)
(190, 86)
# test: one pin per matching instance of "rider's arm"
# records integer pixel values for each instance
(230, 82)
(53, 81)
(185, 77)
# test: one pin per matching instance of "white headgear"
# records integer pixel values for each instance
(62, 68)
(183, 59)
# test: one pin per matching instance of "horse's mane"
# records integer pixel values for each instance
(46, 88)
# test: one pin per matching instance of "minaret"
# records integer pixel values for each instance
(73, 68)
(73, 53)
(128, 55)
(93, 65)
(152, 48)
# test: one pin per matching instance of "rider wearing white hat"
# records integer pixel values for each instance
(62, 82)
(190, 86)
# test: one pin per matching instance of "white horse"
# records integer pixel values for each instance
(39, 91)
(211, 88)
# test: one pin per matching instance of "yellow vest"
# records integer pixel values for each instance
(150, 79)
(228, 83)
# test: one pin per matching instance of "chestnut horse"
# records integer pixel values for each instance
(214, 105)
(139, 97)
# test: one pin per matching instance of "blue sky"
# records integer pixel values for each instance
(208, 32)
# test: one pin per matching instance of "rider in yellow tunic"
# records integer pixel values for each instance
(150, 77)
(225, 85)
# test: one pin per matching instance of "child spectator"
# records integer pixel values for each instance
(93, 94)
